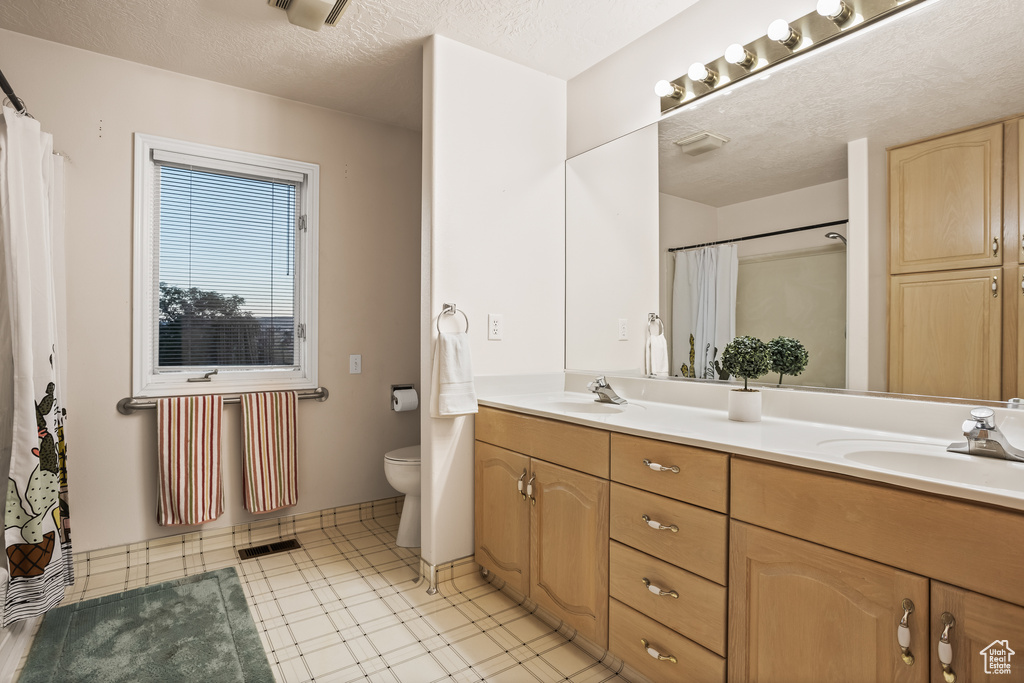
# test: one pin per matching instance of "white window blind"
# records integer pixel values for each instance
(225, 270)
(225, 284)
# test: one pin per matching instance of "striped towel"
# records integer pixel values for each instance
(188, 442)
(268, 451)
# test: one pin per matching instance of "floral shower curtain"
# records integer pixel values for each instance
(37, 533)
(703, 309)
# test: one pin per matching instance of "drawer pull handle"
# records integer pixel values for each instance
(995, 246)
(520, 485)
(529, 490)
(946, 650)
(903, 633)
(654, 653)
(656, 590)
(661, 468)
(658, 525)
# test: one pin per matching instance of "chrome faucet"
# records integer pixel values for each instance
(605, 394)
(984, 438)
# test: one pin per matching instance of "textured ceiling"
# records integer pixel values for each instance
(369, 65)
(949, 64)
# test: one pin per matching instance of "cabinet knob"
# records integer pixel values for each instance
(903, 632)
(654, 653)
(661, 468)
(529, 490)
(658, 525)
(995, 246)
(520, 484)
(661, 592)
(995, 285)
(945, 649)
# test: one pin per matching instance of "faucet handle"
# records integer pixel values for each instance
(983, 418)
(598, 383)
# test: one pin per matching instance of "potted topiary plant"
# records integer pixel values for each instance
(745, 357)
(789, 357)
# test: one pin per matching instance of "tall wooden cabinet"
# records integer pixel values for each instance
(953, 254)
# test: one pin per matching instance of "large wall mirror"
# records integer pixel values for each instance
(783, 229)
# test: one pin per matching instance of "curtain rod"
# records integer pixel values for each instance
(16, 101)
(764, 234)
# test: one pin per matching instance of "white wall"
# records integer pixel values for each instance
(611, 236)
(369, 213)
(494, 239)
(807, 206)
(868, 267)
(616, 96)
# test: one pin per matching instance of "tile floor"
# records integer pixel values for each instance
(348, 606)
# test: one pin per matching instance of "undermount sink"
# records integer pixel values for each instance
(930, 461)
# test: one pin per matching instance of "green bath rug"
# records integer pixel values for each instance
(194, 629)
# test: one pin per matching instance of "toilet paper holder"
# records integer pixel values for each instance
(398, 387)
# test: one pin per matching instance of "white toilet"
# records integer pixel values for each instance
(402, 468)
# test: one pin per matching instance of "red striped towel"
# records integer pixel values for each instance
(188, 443)
(268, 451)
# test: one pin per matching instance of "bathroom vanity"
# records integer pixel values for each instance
(694, 563)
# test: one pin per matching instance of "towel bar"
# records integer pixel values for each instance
(127, 406)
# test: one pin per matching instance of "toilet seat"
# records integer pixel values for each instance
(410, 455)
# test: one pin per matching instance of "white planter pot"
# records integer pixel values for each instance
(745, 406)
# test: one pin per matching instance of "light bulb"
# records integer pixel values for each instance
(697, 72)
(781, 32)
(666, 89)
(829, 8)
(740, 56)
(836, 10)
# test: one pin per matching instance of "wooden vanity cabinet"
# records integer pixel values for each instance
(502, 515)
(853, 550)
(983, 627)
(569, 548)
(803, 613)
(550, 545)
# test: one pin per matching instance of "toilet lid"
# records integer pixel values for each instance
(409, 454)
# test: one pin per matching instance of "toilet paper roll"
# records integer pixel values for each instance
(404, 400)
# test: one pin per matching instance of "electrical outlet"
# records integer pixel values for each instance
(495, 326)
(623, 330)
(355, 365)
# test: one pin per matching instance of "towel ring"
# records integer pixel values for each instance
(451, 309)
(655, 318)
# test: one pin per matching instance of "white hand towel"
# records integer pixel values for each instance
(657, 355)
(452, 391)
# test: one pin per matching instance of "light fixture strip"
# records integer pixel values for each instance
(815, 30)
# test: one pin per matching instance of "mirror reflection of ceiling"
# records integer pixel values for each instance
(945, 65)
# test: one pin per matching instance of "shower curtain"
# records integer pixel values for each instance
(703, 308)
(37, 541)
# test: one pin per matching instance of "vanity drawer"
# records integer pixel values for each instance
(694, 664)
(703, 477)
(965, 544)
(699, 610)
(698, 546)
(561, 443)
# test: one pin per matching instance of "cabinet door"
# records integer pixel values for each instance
(945, 202)
(502, 515)
(803, 613)
(569, 548)
(984, 637)
(945, 333)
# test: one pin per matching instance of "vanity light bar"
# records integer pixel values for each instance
(806, 34)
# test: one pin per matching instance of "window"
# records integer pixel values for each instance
(225, 270)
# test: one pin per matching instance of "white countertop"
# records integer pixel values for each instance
(911, 461)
